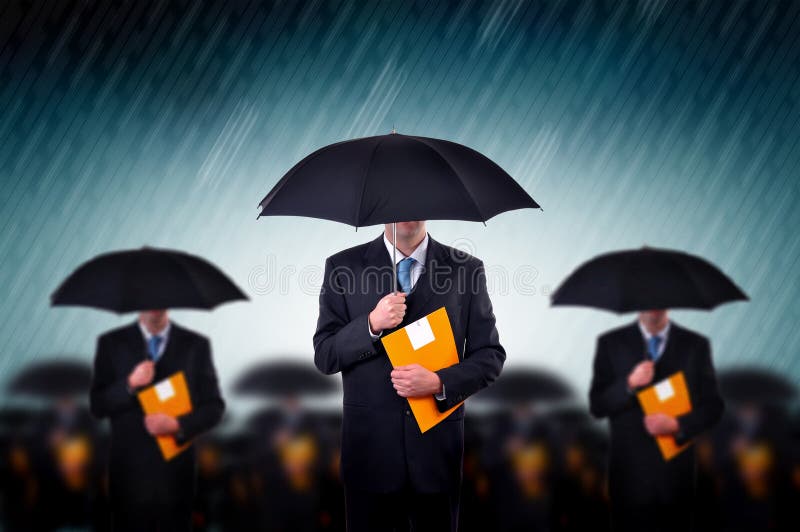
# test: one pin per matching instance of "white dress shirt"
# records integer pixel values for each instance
(663, 334)
(419, 255)
(163, 333)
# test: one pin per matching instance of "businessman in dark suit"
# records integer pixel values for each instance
(647, 492)
(147, 492)
(393, 474)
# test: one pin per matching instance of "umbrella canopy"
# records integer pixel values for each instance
(755, 386)
(53, 379)
(394, 178)
(283, 379)
(647, 279)
(14, 419)
(146, 279)
(526, 386)
(572, 416)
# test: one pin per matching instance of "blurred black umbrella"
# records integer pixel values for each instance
(15, 418)
(526, 386)
(647, 279)
(755, 386)
(146, 279)
(393, 178)
(283, 379)
(572, 416)
(53, 379)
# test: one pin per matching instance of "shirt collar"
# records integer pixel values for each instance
(419, 254)
(163, 333)
(662, 333)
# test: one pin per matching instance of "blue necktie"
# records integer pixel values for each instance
(154, 344)
(404, 274)
(652, 346)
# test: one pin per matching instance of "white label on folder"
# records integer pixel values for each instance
(420, 333)
(164, 390)
(664, 390)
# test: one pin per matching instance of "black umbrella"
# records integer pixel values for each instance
(14, 419)
(53, 379)
(647, 279)
(755, 386)
(572, 416)
(393, 178)
(286, 378)
(146, 279)
(526, 386)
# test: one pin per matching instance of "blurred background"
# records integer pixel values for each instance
(672, 124)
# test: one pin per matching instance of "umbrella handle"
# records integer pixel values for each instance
(394, 257)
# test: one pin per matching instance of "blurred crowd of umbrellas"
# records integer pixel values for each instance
(533, 453)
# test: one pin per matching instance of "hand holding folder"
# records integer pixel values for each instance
(171, 397)
(671, 397)
(428, 342)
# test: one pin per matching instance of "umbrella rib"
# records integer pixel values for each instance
(467, 193)
(364, 182)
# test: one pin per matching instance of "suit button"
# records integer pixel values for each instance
(408, 412)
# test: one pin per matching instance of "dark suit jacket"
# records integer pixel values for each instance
(138, 473)
(638, 474)
(382, 446)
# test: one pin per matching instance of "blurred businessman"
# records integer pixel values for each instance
(647, 492)
(147, 492)
(393, 474)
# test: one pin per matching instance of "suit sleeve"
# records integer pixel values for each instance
(109, 394)
(208, 405)
(339, 341)
(608, 393)
(483, 355)
(707, 404)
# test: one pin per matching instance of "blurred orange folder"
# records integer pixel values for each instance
(170, 396)
(428, 342)
(671, 397)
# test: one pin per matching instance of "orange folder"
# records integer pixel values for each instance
(671, 397)
(428, 342)
(170, 396)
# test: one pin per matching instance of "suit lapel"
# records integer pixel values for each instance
(667, 363)
(136, 343)
(424, 288)
(167, 363)
(375, 255)
(374, 280)
(636, 343)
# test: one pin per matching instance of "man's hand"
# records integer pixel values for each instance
(641, 375)
(415, 381)
(388, 312)
(142, 375)
(661, 424)
(161, 424)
